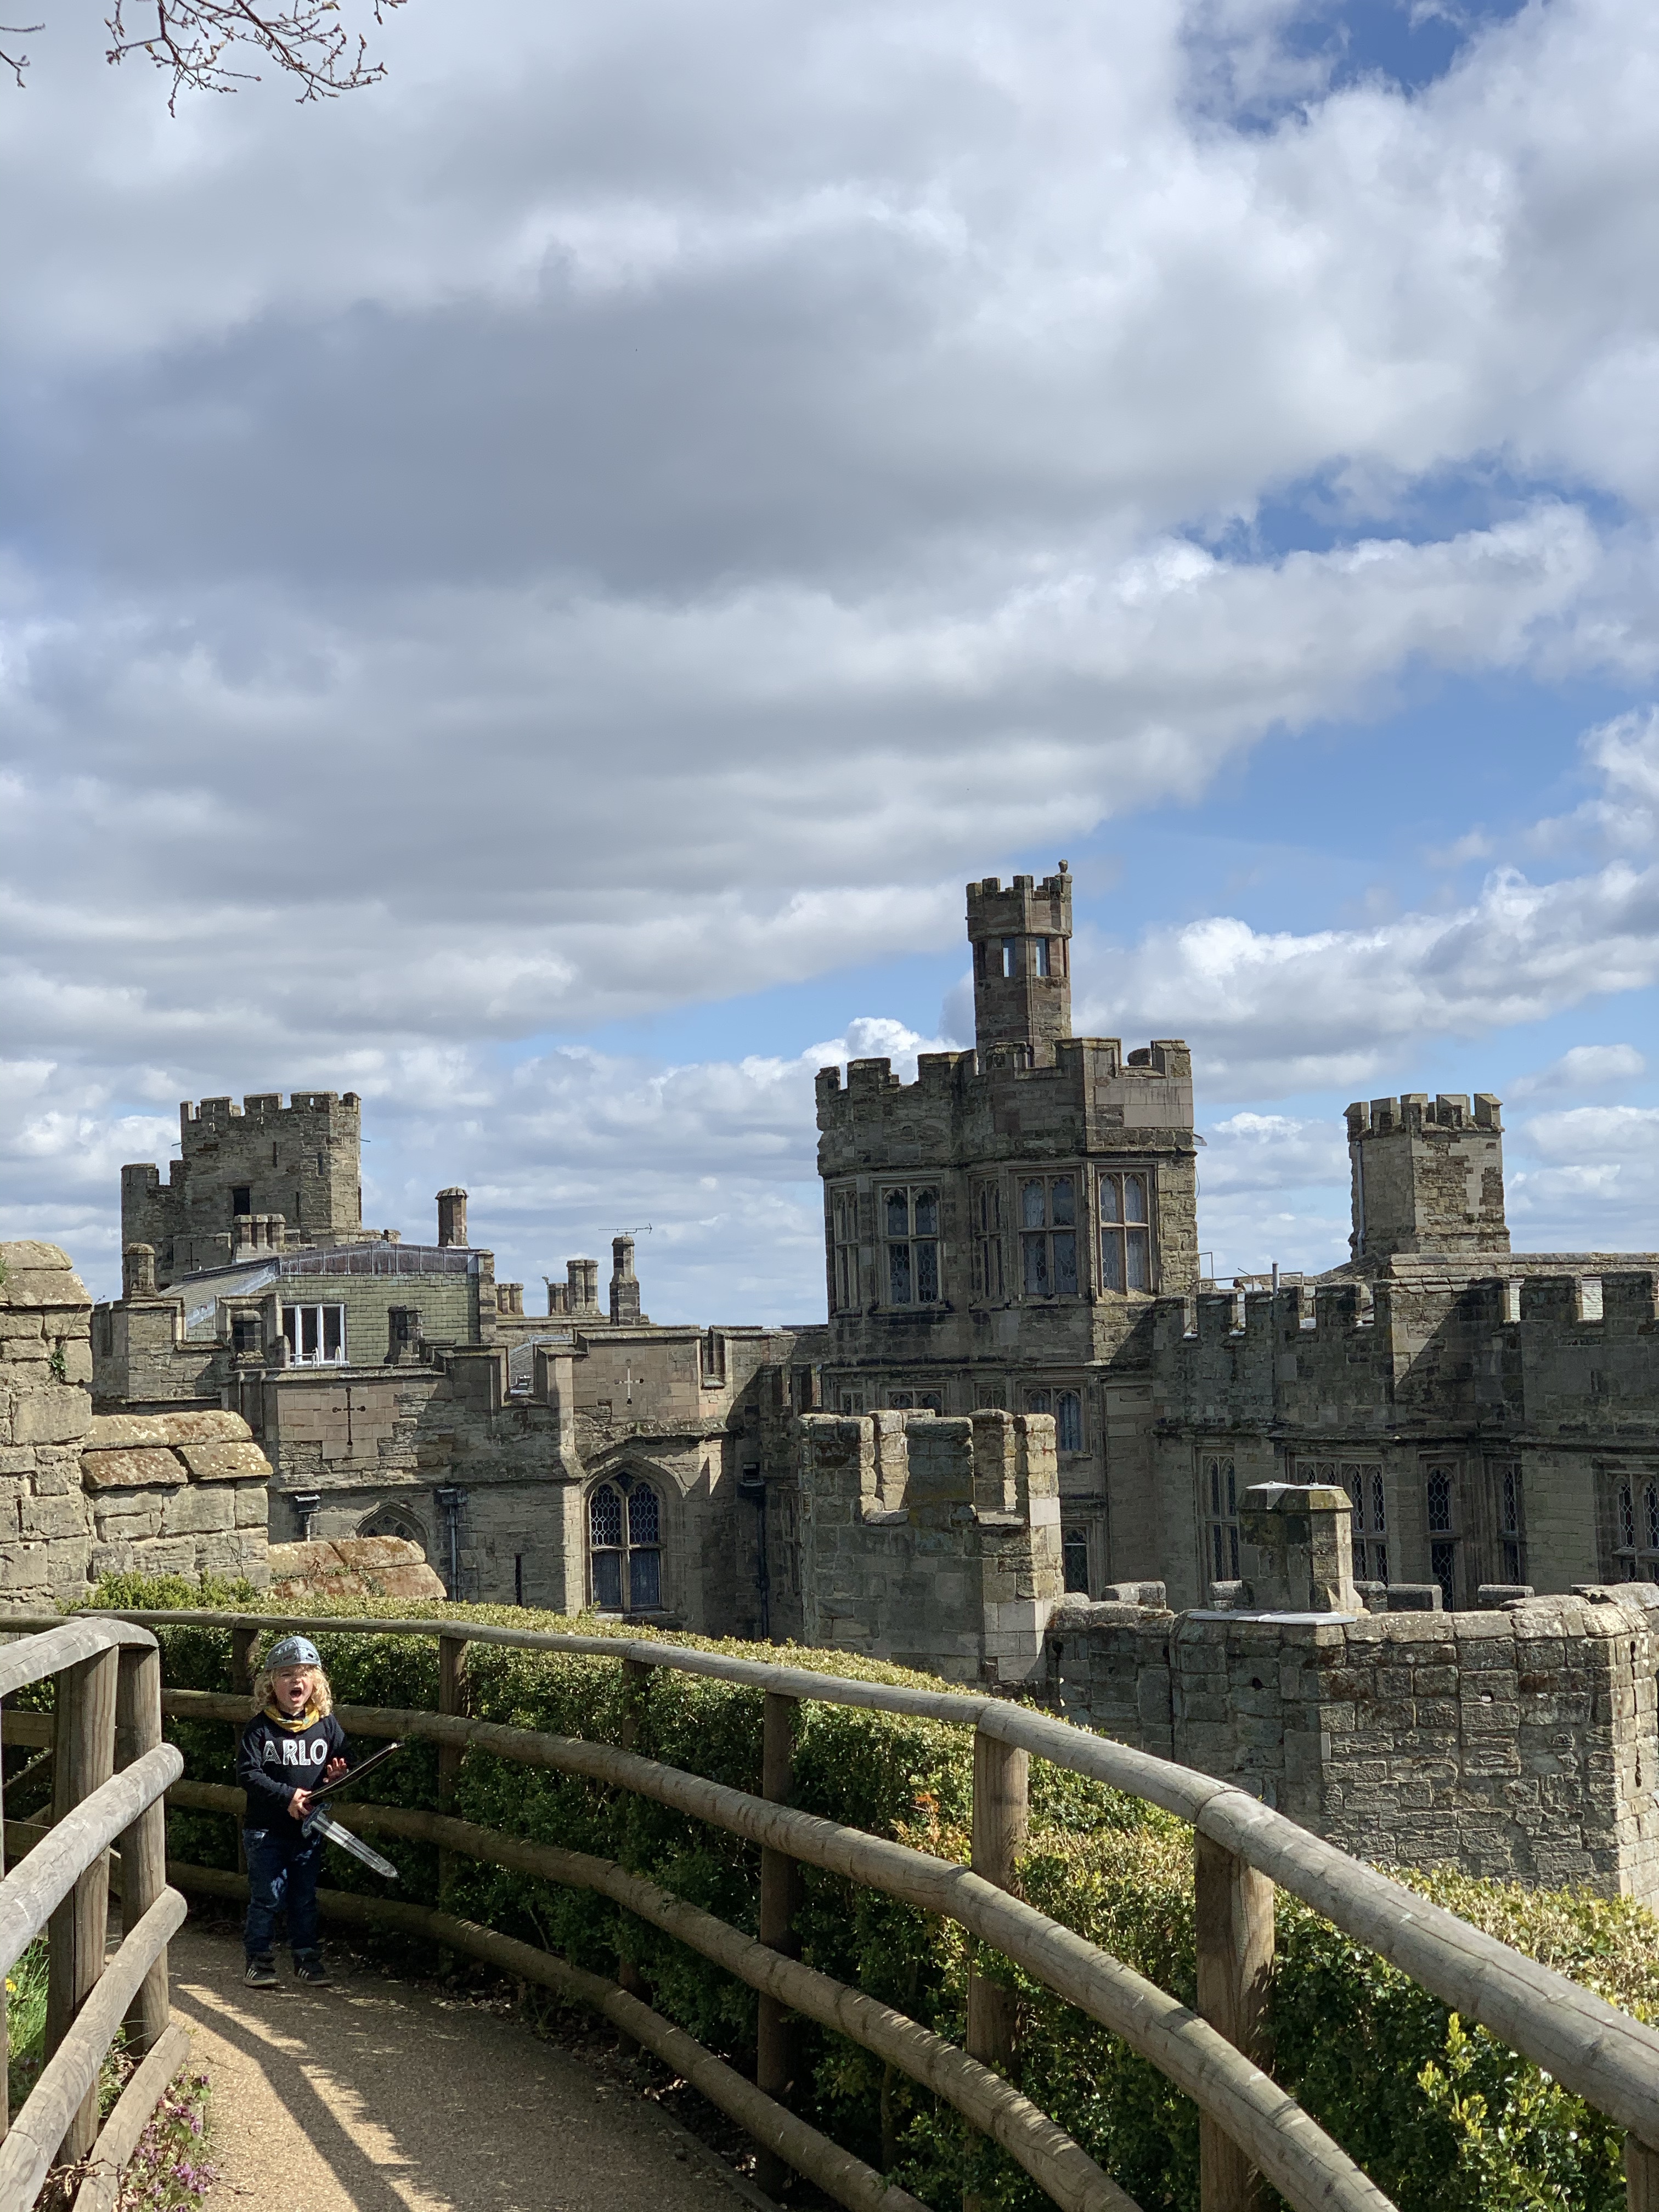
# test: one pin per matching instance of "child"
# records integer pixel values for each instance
(292, 1743)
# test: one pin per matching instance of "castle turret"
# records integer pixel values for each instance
(260, 1175)
(1022, 963)
(1428, 1176)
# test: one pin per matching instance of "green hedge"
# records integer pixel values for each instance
(1444, 2119)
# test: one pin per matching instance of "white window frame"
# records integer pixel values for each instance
(305, 1319)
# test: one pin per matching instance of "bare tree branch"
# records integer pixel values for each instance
(199, 40)
(18, 63)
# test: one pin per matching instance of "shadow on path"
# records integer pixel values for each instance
(371, 2096)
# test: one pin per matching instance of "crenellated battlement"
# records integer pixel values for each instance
(1077, 1062)
(1414, 1111)
(260, 1106)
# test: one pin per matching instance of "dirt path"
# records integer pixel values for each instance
(371, 2096)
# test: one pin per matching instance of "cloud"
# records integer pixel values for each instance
(1278, 1012)
(1588, 1181)
(1272, 1188)
(1582, 1067)
(620, 517)
(560, 1152)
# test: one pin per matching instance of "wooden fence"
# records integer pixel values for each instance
(111, 1771)
(1248, 2126)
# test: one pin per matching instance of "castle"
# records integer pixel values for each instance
(1014, 1231)
(1029, 1446)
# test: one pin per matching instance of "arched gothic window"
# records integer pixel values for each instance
(393, 1521)
(624, 1546)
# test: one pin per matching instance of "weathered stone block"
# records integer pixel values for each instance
(57, 1415)
(141, 1469)
(225, 1462)
(253, 1504)
(52, 1516)
(193, 1511)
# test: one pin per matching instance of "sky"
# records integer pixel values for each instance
(525, 592)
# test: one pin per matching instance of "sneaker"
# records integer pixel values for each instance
(308, 1967)
(261, 1974)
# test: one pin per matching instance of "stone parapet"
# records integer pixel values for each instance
(175, 1493)
(82, 1495)
(932, 1543)
(1519, 1744)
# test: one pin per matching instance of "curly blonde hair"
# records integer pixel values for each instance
(321, 1695)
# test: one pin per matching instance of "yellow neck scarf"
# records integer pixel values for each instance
(300, 1720)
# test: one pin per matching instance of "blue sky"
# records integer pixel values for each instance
(527, 591)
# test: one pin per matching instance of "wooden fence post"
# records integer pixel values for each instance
(1235, 1931)
(244, 1651)
(143, 1846)
(451, 1698)
(634, 1676)
(1641, 2176)
(780, 1883)
(85, 1740)
(1001, 1777)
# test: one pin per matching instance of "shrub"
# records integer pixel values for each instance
(1443, 2117)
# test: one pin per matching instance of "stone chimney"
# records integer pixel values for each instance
(405, 1344)
(138, 1272)
(583, 1279)
(452, 1216)
(1295, 1551)
(624, 1284)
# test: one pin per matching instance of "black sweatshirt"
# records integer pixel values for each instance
(272, 1762)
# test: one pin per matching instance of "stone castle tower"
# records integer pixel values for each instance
(997, 1232)
(1428, 1176)
(260, 1176)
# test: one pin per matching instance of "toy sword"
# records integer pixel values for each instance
(354, 1773)
(323, 1823)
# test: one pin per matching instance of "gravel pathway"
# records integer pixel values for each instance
(372, 2096)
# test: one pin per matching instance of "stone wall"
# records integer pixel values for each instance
(83, 1495)
(1423, 1367)
(934, 1543)
(1518, 1744)
(46, 1412)
(175, 1494)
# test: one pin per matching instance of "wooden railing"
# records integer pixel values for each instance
(111, 1771)
(1248, 2126)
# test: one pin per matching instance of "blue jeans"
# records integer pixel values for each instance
(282, 1875)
